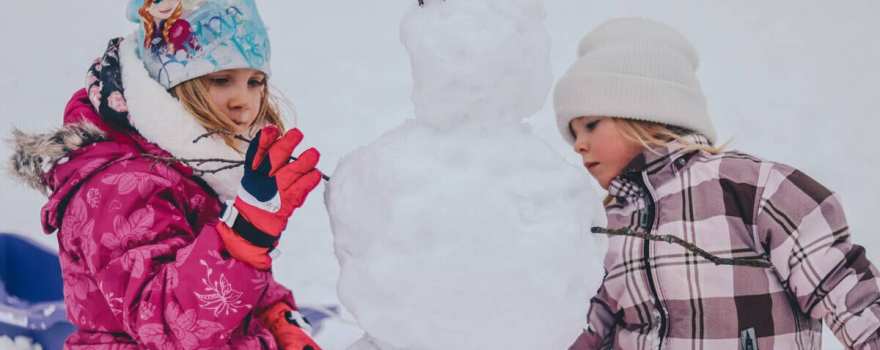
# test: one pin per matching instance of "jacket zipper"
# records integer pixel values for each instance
(646, 221)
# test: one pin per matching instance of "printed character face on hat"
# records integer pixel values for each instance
(161, 9)
(164, 27)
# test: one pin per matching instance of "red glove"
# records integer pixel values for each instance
(290, 329)
(271, 189)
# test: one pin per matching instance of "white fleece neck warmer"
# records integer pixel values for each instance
(161, 119)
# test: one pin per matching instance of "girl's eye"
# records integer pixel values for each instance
(592, 125)
(220, 81)
(257, 82)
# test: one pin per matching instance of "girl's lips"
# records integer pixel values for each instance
(590, 165)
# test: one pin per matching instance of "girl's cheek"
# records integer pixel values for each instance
(218, 99)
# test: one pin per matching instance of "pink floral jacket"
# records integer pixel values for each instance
(143, 265)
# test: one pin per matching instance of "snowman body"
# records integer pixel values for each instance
(461, 229)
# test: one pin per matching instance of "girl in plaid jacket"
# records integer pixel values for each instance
(776, 256)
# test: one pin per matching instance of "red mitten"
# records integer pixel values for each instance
(271, 189)
(290, 329)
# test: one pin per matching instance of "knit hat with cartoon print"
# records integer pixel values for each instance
(186, 39)
(634, 68)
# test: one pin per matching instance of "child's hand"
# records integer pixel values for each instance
(271, 189)
(290, 329)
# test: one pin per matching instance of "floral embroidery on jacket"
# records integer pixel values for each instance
(220, 296)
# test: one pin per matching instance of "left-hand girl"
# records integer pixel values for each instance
(158, 249)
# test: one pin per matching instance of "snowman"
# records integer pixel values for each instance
(461, 229)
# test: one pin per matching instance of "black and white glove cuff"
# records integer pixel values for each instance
(245, 229)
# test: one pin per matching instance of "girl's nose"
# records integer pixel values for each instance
(581, 145)
(238, 99)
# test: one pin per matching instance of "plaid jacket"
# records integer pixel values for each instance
(657, 295)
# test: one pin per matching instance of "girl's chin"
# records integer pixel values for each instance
(604, 182)
(600, 179)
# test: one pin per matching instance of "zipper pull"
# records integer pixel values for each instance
(643, 220)
(748, 340)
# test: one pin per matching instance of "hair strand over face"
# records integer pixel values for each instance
(193, 95)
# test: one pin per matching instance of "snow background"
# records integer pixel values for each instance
(792, 81)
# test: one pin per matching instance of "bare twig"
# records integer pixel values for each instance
(195, 161)
(758, 261)
(195, 164)
(222, 132)
(238, 137)
(214, 171)
(233, 163)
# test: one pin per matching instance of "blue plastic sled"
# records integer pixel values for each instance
(31, 297)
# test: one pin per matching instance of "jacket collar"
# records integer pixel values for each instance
(654, 159)
(161, 119)
(56, 162)
(656, 162)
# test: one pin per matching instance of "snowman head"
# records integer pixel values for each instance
(478, 60)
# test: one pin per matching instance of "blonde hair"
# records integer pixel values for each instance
(193, 95)
(149, 25)
(652, 135)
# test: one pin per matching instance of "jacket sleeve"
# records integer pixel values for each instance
(802, 226)
(601, 321)
(275, 293)
(169, 284)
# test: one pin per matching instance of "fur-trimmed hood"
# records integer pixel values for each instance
(35, 154)
(158, 125)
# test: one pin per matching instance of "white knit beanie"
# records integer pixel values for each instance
(634, 68)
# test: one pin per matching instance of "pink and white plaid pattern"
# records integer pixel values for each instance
(657, 295)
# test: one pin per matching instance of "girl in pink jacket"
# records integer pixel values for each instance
(708, 249)
(169, 184)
